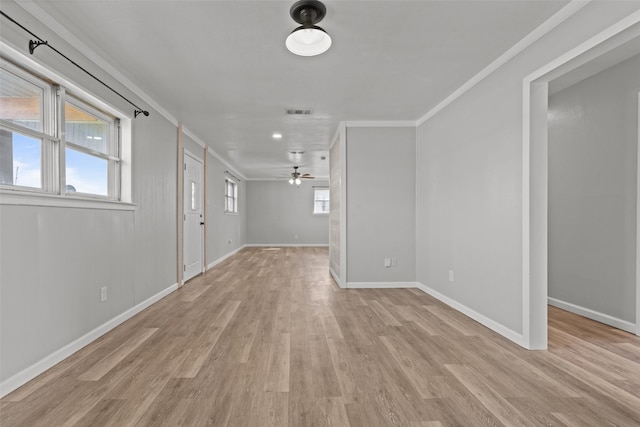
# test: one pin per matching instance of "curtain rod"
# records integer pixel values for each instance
(232, 175)
(33, 44)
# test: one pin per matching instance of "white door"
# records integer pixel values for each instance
(193, 230)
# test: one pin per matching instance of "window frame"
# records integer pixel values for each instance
(47, 136)
(53, 168)
(114, 144)
(315, 200)
(233, 197)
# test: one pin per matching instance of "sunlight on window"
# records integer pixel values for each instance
(20, 160)
(86, 173)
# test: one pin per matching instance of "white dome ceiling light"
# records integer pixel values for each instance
(308, 39)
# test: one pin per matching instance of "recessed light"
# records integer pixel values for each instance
(277, 136)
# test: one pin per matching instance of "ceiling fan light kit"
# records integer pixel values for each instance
(308, 39)
(296, 176)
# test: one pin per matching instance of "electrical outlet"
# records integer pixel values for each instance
(451, 275)
(103, 294)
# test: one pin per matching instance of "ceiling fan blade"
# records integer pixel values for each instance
(308, 177)
(306, 174)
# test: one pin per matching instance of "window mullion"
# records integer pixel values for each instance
(61, 152)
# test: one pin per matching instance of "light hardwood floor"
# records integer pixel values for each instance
(267, 339)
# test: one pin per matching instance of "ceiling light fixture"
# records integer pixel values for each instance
(277, 136)
(308, 39)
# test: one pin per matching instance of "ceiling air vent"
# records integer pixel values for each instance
(299, 111)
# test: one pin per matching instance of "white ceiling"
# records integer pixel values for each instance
(221, 68)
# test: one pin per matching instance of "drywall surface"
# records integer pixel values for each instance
(54, 260)
(469, 179)
(226, 233)
(380, 204)
(282, 214)
(335, 181)
(593, 143)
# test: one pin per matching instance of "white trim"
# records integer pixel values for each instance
(381, 285)
(336, 278)
(483, 320)
(225, 163)
(540, 31)
(66, 35)
(286, 179)
(287, 245)
(17, 198)
(593, 315)
(15, 55)
(595, 46)
(57, 356)
(381, 124)
(224, 257)
(63, 32)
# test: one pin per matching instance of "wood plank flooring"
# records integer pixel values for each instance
(267, 339)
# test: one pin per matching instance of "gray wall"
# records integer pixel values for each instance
(469, 179)
(278, 211)
(54, 260)
(380, 204)
(225, 232)
(593, 142)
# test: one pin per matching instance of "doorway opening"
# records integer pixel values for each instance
(614, 45)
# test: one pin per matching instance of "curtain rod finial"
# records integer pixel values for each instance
(33, 44)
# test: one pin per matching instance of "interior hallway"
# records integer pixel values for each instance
(267, 338)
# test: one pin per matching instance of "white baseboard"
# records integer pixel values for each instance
(287, 245)
(380, 285)
(56, 357)
(593, 315)
(483, 320)
(336, 278)
(222, 258)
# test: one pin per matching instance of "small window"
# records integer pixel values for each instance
(53, 140)
(230, 196)
(91, 149)
(321, 201)
(23, 133)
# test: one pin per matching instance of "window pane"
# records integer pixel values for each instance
(194, 196)
(321, 201)
(86, 173)
(20, 101)
(20, 160)
(86, 130)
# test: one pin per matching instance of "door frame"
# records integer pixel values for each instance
(535, 178)
(194, 157)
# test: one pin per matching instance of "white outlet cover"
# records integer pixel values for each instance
(451, 275)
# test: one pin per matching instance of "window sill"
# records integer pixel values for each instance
(18, 198)
(232, 213)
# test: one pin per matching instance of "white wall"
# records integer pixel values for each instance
(592, 192)
(277, 212)
(380, 168)
(469, 180)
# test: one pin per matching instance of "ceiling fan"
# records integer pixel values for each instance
(297, 177)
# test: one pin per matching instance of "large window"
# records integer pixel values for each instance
(321, 201)
(53, 141)
(230, 196)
